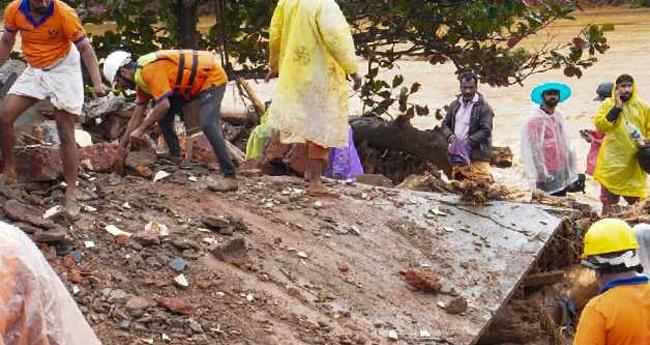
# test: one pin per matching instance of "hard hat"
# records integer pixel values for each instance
(608, 236)
(643, 156)
(113, 62)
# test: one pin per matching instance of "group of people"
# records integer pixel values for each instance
(312, 53)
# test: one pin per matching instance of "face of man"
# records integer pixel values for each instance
(125, 78)
(625, 90)
(468, 89)
(39, 6)
(551, 98)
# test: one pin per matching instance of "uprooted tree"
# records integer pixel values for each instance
(482, 36)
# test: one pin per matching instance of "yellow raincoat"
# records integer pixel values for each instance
(618, 169)
(311, 48)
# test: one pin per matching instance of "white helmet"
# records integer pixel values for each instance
(113, 62)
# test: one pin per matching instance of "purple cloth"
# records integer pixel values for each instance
(459, 151)
(344, 163)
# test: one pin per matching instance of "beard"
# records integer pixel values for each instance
(551, 103)
(626, 97)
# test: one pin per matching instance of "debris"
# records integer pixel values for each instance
(89, 244)
(115, 231)
(125, 324)
(250, 297)
(83, 138)
(425, 334)
(176, 305)
(178, 264)
(233, 251)
(160, 175)
(155, 227)
(423, 280)
(52, 211)
(195, 326)
(392, 335)
(375, 180)
(147, 238)
(50, 236)
(88, 209)
(165, 337)
(344, 267)
(457, 306)
(501, 157)
(19, 212)
(137, 305)
(181, 281)
(303, 255)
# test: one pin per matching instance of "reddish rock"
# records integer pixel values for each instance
(38, 163)
(457, 306)
(75, 277)
(176, 305)
(203, 284)
(423, 280)
(137, 305)
(232, 252)
(139, 161)
(147, 238)
(19, 212)
(68, 261)
(344, 268)
(27, 228)
(102, 158)
(122, 240)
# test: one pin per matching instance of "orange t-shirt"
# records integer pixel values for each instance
(160, 77)
(47, 40)
(620, 316)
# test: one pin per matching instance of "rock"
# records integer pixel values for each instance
(423, 280)
(178, 264)
(233, 251)
(19, 212)
(457, 306)
(38, 163)
(195, 326)
(191, 254)
(181, 281)
(146, 238)
(143, 155)
(203, 284)
(375, 180)
(176, 305)
(137, 305)
(50, 236)
(102, 106)
(125, 324)
(118, 296)
(75, 277)
(27, 228)
(425, 334)
(392, 335)
(182, 243)
(344, 267)
(102, 158)
(216, 223)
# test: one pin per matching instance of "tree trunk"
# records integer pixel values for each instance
(429, 145)
(187, 17)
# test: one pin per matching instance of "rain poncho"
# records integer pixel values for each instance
(549, 161)
(311, 48)
(258, 139)
(643, 239)
(35, 307)
(618, 169)
(344, 162)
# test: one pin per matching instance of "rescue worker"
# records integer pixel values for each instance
(311, 48)
(624, 119)
(620, 314)
(546, 152)
(172, 78)
(52, 42)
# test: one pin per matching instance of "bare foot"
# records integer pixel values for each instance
(320, 191)
(72, 208)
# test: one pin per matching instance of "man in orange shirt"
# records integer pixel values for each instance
(169, 79)
(53, 40)
(620, 315)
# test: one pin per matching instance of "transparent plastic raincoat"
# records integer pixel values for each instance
(35, 307)
(643, 239)
(618, 169)
(548, 158)
(311, 48)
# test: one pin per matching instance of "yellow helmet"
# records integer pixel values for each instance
(609, 235)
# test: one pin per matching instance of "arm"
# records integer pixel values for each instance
(335, 33)
(485, 126)
(136, 119)
(7, 42)
(157, 113)
(602, 119)
(92, 65)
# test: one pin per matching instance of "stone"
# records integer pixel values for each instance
(38, 163)
(183, 244)
(233, 251)
(178, 264)
(18, 212)
(142, 155)
(125, 324)
(375, 180)
(146, 238)
(191, 254)
(27, 228)
(195, 326)
(424, 280)
(176, 305)
(102, 158)
(216, 223)
(181, 281)
(118, 296)
(457, 306)
(344, 268)
(51, 236)
(392, 335)
(136, 305)
(75, 277)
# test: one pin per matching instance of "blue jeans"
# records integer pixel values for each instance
(210, 125)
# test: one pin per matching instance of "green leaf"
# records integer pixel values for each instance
(398, 80)
(415, 87)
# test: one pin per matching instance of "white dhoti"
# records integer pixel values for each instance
(62, 83)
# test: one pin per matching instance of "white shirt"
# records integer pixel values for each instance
(464, 116)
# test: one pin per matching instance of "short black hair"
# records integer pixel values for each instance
(468, 75)
(624, 78)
